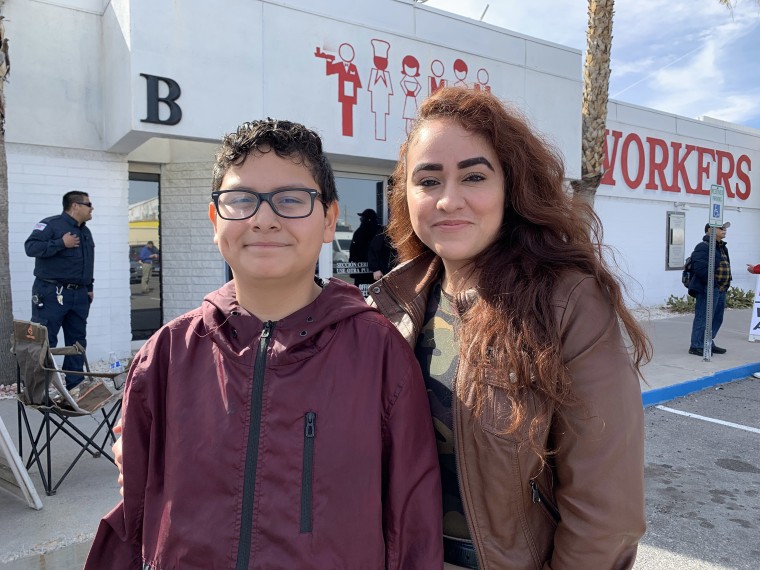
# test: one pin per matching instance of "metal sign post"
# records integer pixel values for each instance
(709, 307)
(716, 219)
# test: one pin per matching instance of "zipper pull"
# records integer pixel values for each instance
(535, 495)
(310, 430)
(268, 326)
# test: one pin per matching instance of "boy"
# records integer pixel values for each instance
(284, 423)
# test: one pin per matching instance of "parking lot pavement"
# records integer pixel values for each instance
(703, 481)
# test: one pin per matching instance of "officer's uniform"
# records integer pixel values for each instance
(63, 280)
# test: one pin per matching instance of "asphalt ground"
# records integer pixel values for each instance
(703, 481)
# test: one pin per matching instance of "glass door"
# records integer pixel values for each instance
(362, 217)
(144, 254)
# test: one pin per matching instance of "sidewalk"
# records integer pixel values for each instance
(58, 535)
(674, 372)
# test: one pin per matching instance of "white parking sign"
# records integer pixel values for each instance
(716, 205)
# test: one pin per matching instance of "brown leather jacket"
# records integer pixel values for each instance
(585, 512)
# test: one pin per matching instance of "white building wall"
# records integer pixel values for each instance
(54, 96)
(635, 219)
(191, 264)
(38, 177)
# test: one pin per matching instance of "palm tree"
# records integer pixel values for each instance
(7, 366)
(596, 83)
(596, 86)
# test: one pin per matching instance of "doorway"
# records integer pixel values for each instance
(144, 254)
(361, 199)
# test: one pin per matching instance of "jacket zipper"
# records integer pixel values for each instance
(457, 447)
(539, 498)
(309, 434)
(252, 451)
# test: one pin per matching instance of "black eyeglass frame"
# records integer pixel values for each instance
(267, 197)
(88, 204)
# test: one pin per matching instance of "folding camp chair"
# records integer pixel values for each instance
(41, 385)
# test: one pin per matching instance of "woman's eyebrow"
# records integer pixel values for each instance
(426, 166)
(468, 162)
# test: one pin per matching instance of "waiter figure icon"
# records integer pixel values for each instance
(349, 82)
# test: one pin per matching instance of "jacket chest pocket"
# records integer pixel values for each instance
(499, 411)
(307, 472)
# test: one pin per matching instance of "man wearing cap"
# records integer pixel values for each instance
(359, 250)
(64, 255)
(698, 286)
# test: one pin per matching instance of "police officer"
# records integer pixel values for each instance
(64, 260)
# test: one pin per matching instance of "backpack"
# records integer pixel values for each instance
(687, 272)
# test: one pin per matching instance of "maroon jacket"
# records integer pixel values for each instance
(305, 443)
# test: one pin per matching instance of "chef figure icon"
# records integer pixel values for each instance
(380, 87)
(348, 82)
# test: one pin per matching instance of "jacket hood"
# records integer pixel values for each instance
(236, 331)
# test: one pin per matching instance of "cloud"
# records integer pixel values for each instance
(621, 69)
(688, 57)
(736, 108)
(707, 71)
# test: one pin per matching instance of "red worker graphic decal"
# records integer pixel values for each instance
(411, 87)
(436, 80)
(482, 84)
(380, 87)
(460, 71)
(348, 82)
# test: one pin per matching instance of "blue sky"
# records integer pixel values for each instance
(688, 57)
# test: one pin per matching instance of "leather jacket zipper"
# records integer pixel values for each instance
(457, 447)
(539, 498)
(307, 474)
(252, 451)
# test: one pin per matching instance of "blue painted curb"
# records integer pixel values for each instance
(660, 395)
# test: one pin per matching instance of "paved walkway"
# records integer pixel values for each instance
(58, 535)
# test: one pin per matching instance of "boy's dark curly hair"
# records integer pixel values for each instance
(288, 140)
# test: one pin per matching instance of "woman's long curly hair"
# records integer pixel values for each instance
(511, 328)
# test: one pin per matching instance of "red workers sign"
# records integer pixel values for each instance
(673, 166)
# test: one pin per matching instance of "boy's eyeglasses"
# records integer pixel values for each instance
(286, 203)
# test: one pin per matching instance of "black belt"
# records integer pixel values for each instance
(459, 553)
(58, 283)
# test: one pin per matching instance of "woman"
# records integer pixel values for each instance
(514, 317)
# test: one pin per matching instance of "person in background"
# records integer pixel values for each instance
(359, 250)
(284, 423)
(700, 259)
(381, 257)
(515, 317)
(64, 262)
(756, 270)
(148, 254)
